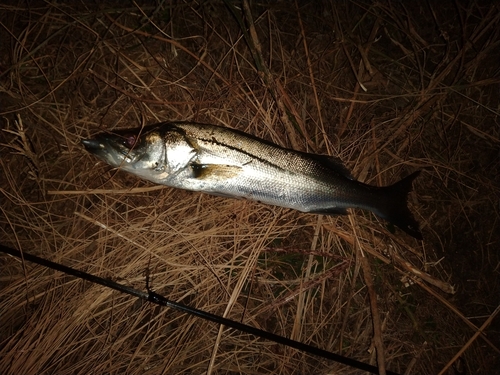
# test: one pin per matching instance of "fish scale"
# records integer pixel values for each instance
(285, 188)
(231, 163)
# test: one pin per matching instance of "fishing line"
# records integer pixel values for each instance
(162, 301)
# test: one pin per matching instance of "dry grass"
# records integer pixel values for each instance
(389, 88)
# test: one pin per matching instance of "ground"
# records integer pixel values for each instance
(388, 87)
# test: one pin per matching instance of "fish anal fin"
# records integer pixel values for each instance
(214, 171)
(330, 211)
(222, 195)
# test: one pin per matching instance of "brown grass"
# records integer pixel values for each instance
(389, 87)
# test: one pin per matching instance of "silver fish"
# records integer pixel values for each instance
(231, 163)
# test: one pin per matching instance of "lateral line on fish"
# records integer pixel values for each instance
(251, 156)
(201, 157)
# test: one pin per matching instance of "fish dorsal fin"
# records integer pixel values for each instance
(214, 171)
(333, 163)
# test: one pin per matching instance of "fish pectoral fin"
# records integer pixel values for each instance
(214, 171)
(330, 211)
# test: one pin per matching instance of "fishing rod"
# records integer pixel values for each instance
(162, 301)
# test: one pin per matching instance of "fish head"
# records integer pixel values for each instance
(153, 155)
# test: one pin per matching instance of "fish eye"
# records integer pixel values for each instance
(129, 140)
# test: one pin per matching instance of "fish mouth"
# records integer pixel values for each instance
(108, 150)
(100, 147)
(93, 145)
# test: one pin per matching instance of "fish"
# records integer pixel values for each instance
(230, 163)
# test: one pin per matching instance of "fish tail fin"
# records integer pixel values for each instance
(394, 208)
